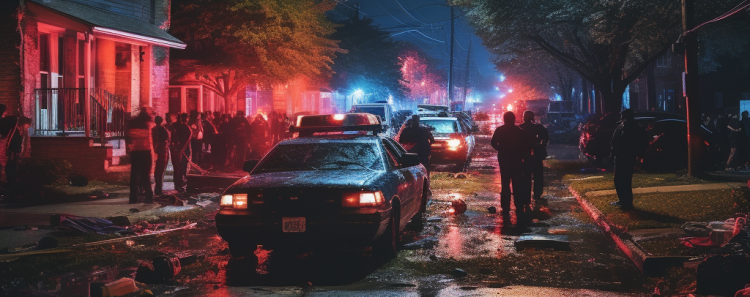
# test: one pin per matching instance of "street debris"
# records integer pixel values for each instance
(543, 241)
(119, 287)
(426, 243)
(492, 210)
(458, 273)
(458, 206)
(87, 224)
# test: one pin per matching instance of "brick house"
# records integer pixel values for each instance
(79, 69)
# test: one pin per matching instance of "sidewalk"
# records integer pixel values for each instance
(629, 241)
(26, 225)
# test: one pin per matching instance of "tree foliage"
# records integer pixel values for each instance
(238, 42)
(372, 60)
(608, 42)
(421, 77)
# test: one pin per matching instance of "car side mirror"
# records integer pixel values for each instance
(250, 165)
(409, 160)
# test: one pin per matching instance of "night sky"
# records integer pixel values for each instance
(426, 23)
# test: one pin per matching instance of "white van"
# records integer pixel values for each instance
(383, 110)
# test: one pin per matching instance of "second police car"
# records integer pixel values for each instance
(338, 183)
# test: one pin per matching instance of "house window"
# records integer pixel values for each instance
(718, 100)
(664, 61)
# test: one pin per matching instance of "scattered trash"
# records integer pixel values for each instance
(696, 229)
(163, 268)
(47, 242)
(119, 287)
(134, 210)
(492, 210)
(543, 241)
(121, 221)
(458, 272)
(426, 243)
(86, 224)
(461, 175)
(459, 206)
(204, 203)
(402, 285)
(192, 201)
(434, 219)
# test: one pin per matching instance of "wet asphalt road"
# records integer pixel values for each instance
(472, 254)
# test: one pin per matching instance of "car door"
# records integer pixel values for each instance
(416, 184)
(406, 186)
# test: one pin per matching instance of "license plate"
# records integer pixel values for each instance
(293, 224)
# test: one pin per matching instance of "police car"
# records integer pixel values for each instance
(454, 143)
(338, 183)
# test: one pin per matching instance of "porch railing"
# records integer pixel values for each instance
(79, 112)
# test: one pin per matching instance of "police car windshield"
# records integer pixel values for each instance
(376, 110)
(442, 126)
(321, 156)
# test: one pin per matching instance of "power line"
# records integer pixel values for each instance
(407, 12)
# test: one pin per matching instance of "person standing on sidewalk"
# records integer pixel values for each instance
(513, 146)
(628, 143)
(196, 139)
(539, 153)
(180, 151)
(160, 137)
(140, 146)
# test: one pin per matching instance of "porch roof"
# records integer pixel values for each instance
(110, 23)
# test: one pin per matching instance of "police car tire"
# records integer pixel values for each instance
(240, 249)
(387, 244)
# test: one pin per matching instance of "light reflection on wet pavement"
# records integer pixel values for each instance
(474, 256)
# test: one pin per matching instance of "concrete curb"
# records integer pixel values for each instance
(623, 240)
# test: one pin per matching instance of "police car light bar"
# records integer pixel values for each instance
(337, 122)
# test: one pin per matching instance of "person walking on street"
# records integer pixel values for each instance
(628, 143)
(539, 152)
(160, 138)
(196, 138)
(140, 146)
(180, 151)
(418, 139)
(240, 137)
(735, 142)
(259, 134)
(514, 147)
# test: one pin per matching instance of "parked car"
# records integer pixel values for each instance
(381, 109)
(667, 133)
(339, 184)
(454, 144)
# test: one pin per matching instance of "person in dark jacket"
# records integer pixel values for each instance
(160, 138)
(209, 136)
(539, 153)
(259, 133)
(239, 138)
(628, 143)
(418, 139)
(196, 139)
(180, 150)
(140, 148)
(734, 128)
(514, 147)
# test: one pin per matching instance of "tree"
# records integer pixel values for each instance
(420, 74)
(608, 42)
(238, 42)
(372, 60)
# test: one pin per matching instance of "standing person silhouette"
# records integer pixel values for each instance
(628, 143)
(418, 139)
(539, 152)
(513, 146)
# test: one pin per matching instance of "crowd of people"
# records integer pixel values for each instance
(728, 139)
(202, 141)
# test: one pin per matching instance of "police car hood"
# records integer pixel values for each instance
(340, 178)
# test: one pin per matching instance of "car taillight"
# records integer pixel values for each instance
(362, 199)
(453, 144)
(240, 201)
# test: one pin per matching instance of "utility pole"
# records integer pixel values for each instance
(692, 102)
(466, 77)
(450, 67)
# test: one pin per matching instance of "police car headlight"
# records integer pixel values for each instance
(453, 144)
(363, 199)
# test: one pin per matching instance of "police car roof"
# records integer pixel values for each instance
(336, 138)
(438, 118)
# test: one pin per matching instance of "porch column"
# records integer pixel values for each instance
(105, 65)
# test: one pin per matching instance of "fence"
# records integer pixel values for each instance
(64, 112)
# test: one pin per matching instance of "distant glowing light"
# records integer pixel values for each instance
(510, 91)
(359, 92)
(497, 88)
(338, 117)
(502, 77)
(502, 96)
(510, 107)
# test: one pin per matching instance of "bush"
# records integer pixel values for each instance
(45, 172)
